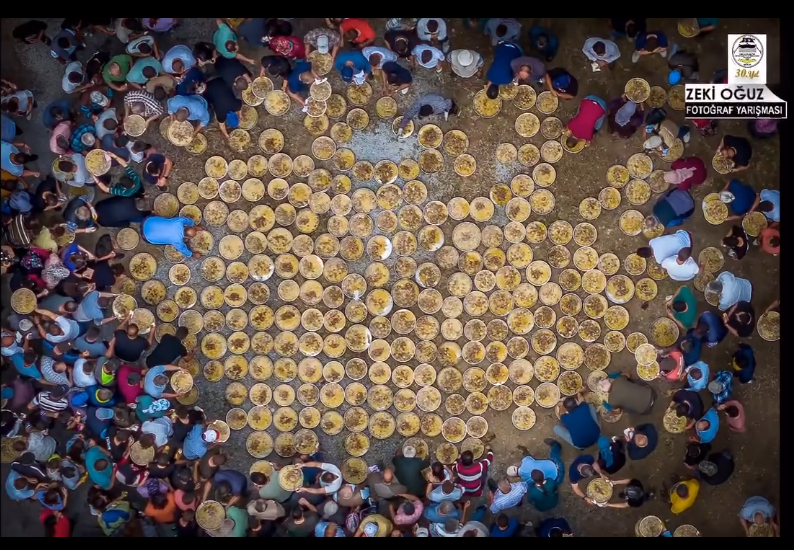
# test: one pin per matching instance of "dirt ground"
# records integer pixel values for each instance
(578, 176)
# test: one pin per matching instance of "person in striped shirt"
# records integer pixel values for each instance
(507, 495)
(471, 473)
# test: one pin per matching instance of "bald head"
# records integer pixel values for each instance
(388, 475)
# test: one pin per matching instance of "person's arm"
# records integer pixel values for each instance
(577, 491)
(737, 168)
(772, 305)
(306, 504)
(150, 336)
(206, 488)
(245, 59)
(745, 525)
(672, 317)
(587, 49)
(618, 505)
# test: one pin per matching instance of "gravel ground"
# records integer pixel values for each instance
(579, 176)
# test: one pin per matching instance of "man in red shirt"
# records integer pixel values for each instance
(358, 32)
(472, 474)
(130, 382)
(769, 239)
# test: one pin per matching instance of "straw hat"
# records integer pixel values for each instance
(141, 456)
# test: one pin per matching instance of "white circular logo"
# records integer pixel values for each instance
(747, 51)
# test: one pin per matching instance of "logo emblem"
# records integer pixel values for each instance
(747, 51)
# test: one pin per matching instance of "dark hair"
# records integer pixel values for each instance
(132, 23)
(152, 168)
(555, 532)
(140, 146)
(149, 71)
(702, 327)
(75, 78)
(682, 409)
(682, 490)
(159, 93)
(774, 241)
(159, 501)
(570, 403)
(110, 124)
(631, 30)
(162, 459)
(328, 477)
(425, 110)
(492, 92)
(188, 497)
(696, 374)
(101, 464)
(182, 333)
(220, 459)
(427, 55)
(437, 469)
(143, 47)
(732, 411)
(30, 357)
(500, 30)
(467, 458)
(645, 252)
(765, 206)
(651, 44)
(502, 521)
(297, 512)
(667, 364)
(224, 489)
(679, 306)
(685, 253)
(65, 165)
(259, 478)
(64, 43)
(392, 79)
(730, 241)
(432, 25)
(599, 48)
(408, 508)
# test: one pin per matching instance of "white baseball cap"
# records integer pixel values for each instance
(322, 43)
(512, 471)
(210, 435)
(409, 452)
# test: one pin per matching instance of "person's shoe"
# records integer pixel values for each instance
(550, 442)
(446, 115)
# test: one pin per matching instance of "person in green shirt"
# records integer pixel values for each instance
(681, 307)
(147, 407)
(116, 71)
(543, 493)
(225, 41)
(240, 519)
(408, 470)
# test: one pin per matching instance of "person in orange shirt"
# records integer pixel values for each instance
(162, 507)
(358, 32)
(672, 366)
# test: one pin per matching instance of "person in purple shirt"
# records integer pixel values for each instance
(173, 231)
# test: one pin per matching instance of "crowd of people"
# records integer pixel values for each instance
(82, 407)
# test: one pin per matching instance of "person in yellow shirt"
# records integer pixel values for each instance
(683, 495)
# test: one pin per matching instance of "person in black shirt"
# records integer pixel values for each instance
(32, 32)
(169, 350)
(119, 442)
(611, 455)
(401, 42)
(687, 403)
(210, 463)
(186, 526)
(47, 196)
(162, 467)
(275, 66)
(233, 72)
(629, 27)
(182, 479)
(737, 149)
(740, 319)
(634, 495)
(642, 442)
(205, 53)
(696, 453)
(128, 345)
(717, 468)
(561, 83)
(736, 240)
(223, 102)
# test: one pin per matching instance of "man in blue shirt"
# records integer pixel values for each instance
(501, 72)
(554, 527)
(544, 42)
(297, 83)
(708, 426)
(189, 107)
(743, 200)
(505, 527)
(353, 66)
(156, 381)
(173, 231)
(579, 425)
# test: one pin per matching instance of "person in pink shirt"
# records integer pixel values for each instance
(734, 412)
(130, 382)
(60, 140)
(686, 173)
(587, 121)
(769, 239)
(409, 511)
(672, 367)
